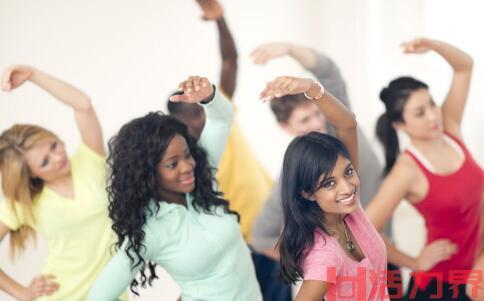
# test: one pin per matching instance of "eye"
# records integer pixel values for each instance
(171, 165)
(53, 146)
(44, 162)
(350, 171)
(328, 184)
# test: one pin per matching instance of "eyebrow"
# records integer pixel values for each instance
(176, 156)
(170, 158)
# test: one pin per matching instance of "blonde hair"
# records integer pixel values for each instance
(18, 184)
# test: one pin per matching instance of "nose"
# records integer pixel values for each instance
(316, 124)
(57, 158)
(346, 188)
(187, 166)
(432, 115)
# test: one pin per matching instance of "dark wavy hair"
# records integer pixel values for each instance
(394, 97)
(306, 159)
(133, 182)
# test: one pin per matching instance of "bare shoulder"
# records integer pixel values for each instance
(404, 168)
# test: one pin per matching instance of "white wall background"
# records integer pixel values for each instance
(129, 55)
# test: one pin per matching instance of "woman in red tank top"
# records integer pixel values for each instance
(436, 174)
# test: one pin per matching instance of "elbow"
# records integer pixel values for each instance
(470, 62)
(85, 105)
(466, 65)
(350, 123)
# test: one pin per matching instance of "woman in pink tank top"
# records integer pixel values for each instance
(327, 240)
(436, 174)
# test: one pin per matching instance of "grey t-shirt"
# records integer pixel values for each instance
(268, 225)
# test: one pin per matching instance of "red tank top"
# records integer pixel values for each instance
(451, 210)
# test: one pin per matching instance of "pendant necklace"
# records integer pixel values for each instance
(349, 244)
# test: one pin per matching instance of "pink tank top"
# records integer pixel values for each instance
(451, 210)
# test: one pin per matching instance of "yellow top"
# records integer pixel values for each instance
(77, 231)
(243, 180)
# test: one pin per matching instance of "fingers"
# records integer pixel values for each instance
(194, 88)
(262, 54)
(6, 80)
(44, 285)
(441, 250)
(282, 86)
(413, 46)
(274, 88)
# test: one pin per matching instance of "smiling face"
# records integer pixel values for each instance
(48, 160)
(338, 193)
(422, 118)
(177, 168)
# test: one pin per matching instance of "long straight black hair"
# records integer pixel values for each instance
(306, 159)
(394, 97)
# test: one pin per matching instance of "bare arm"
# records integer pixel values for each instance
(42, 285)
(7, 284)
(312, 290)
(85, 116)
(212, 10)
(228, 51)
(393, 190)
(319, 64)
(340, 117)
(267, 52)
(462, 64)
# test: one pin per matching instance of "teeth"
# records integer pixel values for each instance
(347, 200)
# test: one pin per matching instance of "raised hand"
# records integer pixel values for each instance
(420, 45)
(195, 89)
(287, 85)
(42, 285)
(435, 252)
(266, 52)
(14, 76)
(212, 10)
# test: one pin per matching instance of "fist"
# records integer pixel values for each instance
(14, 76)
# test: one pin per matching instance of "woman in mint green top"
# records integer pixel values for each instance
(166, 209)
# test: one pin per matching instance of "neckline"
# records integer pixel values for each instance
(428, 166)
(51, 191)
(343, 250)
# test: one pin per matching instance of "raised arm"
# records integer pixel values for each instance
(212, 11)
(320, 65)
(218, 110)
(85, 116)
(340, 117)
(462, 64)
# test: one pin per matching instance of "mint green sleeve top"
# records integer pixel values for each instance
(203, 252)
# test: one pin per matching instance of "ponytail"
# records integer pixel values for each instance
(394, 97)
(389, 139)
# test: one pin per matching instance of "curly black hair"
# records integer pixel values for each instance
(133, 182)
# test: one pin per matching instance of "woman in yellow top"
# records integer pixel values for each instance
(63, 199)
